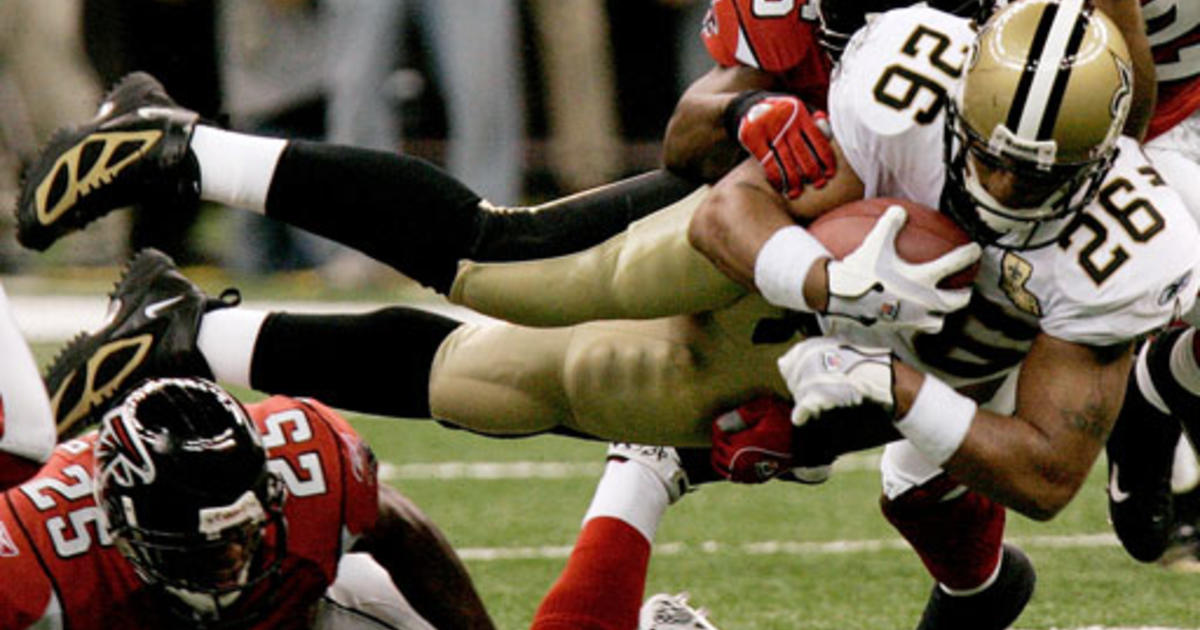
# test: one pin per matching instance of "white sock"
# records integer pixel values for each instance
(630, 492)
(226, 339)
(235, 168)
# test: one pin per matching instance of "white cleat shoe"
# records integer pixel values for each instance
(672, 612)
(663, 460)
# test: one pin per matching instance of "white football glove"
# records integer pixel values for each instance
(873, 285)
(824, 373)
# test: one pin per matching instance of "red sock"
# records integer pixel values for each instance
(602, 584)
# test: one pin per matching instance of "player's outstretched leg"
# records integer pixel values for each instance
(981, 582)
(398, 209)
(996, 606)
(1140, 452)
(153, 320)
(1163, 392)
(601, 586)
(135, 149)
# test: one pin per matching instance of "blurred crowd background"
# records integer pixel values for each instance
(523, 100)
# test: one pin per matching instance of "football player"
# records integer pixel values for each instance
(673, 355)
(26, 423)
(155, 313)
(189, 510)
(1163, 113)
(1043, 201)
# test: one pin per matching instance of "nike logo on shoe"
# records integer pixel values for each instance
(1114, 488)
(155, 309)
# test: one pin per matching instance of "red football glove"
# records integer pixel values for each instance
(791, 143)
(753, 443)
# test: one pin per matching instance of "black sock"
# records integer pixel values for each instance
(993, 608)
(371, 363)
(411, 215)
(397, 209)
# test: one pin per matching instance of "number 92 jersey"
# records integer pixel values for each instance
(61, 570)
(1123, 269)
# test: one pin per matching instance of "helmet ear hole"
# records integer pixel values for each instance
(181, 479)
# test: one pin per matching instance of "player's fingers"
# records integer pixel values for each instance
(821, 143)
(773, 168)
(803, 163)
(816, 144)
(954, 299)
(950, 263)
(883, 233)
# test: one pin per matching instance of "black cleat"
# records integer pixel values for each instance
(134, 150)
(153, 319)
(1141, 450)
(994, 608)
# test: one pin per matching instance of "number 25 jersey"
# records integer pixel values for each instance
(61, 570)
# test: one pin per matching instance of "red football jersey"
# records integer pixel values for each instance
(1173, 27)
(60, 564)
(775, 36)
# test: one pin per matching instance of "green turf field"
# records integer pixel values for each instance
(779, 556)
(710, 543)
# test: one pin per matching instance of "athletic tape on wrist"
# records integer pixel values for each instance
(783, 264)
(938, 420)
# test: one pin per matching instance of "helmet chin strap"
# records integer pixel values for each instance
(1016, 232)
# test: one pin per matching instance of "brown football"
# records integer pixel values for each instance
(926, 235)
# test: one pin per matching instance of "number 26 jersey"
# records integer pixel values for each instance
(1124, 268)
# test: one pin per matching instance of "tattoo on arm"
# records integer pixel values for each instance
(1094, 420)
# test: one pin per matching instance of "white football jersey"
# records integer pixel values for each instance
(1126, 267)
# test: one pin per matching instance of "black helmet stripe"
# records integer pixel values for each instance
(1039, 93)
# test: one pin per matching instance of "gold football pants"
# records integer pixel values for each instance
(657, 380)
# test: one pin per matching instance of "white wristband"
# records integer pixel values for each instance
(783, 264)
(938, 420)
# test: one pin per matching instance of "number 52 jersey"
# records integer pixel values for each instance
(1124, 268)
(60, 569)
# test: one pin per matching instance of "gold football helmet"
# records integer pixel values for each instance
(1033, 128)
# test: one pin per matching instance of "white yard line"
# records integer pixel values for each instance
(449, 471)
(778, 547)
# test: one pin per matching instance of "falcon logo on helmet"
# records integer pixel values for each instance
(184, 487)
(121, 445)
